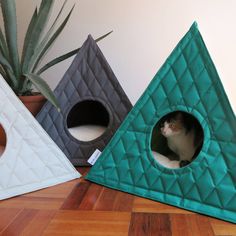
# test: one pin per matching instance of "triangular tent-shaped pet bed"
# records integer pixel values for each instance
(188, 81)
(89, 93)
(31, 160)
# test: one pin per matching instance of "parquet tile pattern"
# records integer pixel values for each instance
(83, 208)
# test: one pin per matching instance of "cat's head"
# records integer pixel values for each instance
(172, 125)
(172, 128)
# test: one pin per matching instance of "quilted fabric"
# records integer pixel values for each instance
(89, 78)
(31, 160)
(187, 81)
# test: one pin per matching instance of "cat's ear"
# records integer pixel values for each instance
(179, 115)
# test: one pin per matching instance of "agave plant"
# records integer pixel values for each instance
(22, 73)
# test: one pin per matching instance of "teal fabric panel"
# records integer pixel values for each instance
(187, 81)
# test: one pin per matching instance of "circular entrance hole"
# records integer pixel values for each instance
(177, 139)
(3, 140)
(87, 120)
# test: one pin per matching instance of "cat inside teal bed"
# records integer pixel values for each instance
(177, 139)
(187, 82)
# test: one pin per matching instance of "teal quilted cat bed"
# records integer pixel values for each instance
(187, 82)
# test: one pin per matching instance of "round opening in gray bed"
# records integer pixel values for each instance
(87, 120)
(177, 139)
(3, 140)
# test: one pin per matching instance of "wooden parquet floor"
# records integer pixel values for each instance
(80, 207)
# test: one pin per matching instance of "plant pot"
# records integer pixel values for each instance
(34, 103)
(2, 136)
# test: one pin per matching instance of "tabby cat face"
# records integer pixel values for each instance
(172, 128)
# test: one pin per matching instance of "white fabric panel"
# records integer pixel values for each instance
(31, 160)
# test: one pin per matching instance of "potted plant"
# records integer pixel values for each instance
(22, 73)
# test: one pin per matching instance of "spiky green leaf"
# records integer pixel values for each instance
(10, 25)
(29, 33)
(9, 74)
(3, 72)
(43, 87)
(4, 62)
(103, 36)
(3, 45)
(35, 35)
(47, 43)
(66, 56)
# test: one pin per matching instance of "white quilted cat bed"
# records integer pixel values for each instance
(31, 160)
(87, 132)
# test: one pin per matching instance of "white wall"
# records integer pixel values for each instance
(145, 32)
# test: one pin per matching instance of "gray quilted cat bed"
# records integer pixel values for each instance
(89, 95)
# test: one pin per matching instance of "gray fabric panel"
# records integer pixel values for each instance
(88, 78)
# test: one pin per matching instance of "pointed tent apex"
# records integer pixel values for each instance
(194, 28)
(90, 37)
(195, 25)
